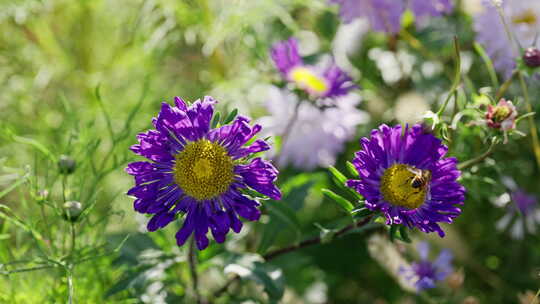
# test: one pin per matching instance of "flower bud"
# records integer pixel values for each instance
(470, 300)
(502, 116)
(66, 164)
(455, 280)
(72, 210)
(42, 195)
(531, 57)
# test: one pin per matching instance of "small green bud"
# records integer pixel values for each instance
(66, 164)
(72, 210)
(42, 195)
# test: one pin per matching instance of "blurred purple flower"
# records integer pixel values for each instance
(523, 215)
(423, 9)
(385, 15)
(523, 20)
(425, 273)
(200, 172)
(326, 80)
(317, 135)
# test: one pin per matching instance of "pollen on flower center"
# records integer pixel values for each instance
(203, 169)
(399, 187)
(307, 79)
(500, 113)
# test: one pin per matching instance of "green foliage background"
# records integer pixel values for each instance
(82, 78)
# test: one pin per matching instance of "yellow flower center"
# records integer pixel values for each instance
(307, 79)
(203, 169)
(405, 186)
(527, 17)
(500, 113)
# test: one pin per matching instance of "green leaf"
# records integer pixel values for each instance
(132, 279)
(488, 63)
(230, 117)
(342, 202)
(284, 213)
(271, 278)
(351, 169)
(392, 232)
(327, 235)
(340, 180)
(359, 213)
(14, 185)
(215, 120)
(36, 144)
(295, 191)
(404, 234)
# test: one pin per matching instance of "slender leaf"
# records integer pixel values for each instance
(342, 202)
(230, 117)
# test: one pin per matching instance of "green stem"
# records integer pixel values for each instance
(287, 131)
(70, 286)
(457, 78)
(532, 126)
(489, 64)
(502, 90)
(193, 270)
(478, 159)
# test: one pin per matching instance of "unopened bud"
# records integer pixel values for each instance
(66, 164)
(470, 300)
(42, 195)
(72, 210)
(455, 280)
(531, 57)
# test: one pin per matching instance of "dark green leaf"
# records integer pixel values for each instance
(404, 234)
(342, 202)
(392, 232)
(359, 213)
(351, 169)
(340, 180)
(215, 120)
(230, 117)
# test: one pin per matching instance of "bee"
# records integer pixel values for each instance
(420, 179)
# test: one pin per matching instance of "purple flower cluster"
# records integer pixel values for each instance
(201, 172)
(385, 15)
(426, 273)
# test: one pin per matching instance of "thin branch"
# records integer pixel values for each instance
(532, 126)
(474, 161)
(306, 243)
(8, 272)
(193, 270)
(287, 131)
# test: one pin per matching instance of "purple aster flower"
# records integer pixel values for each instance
(523, 20)
(426, 273)
(404, 174)
(326, 80)
(200, 172)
